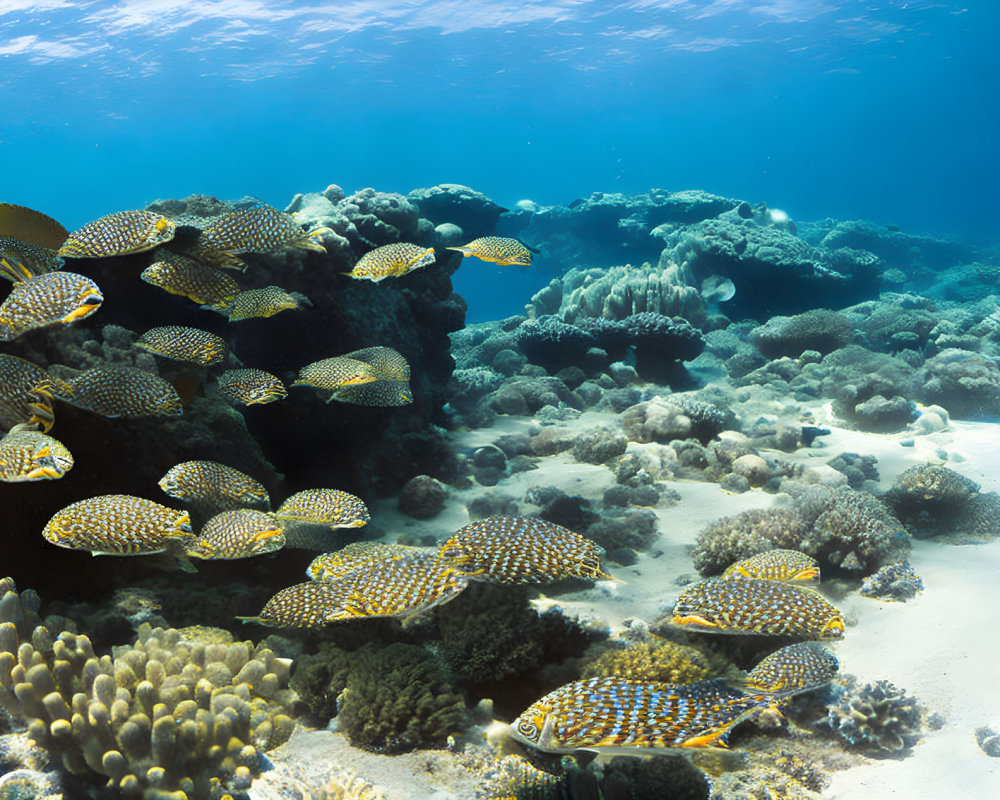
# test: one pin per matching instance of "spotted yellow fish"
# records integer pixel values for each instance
(354, 556)
(182, 343)
(380, 394)
(498, 250)
(249, 387)
(118, 234)
(118, 524)
(617, 716)
(776, 565)
(20, 256)
(25, 393)
(333, 508)
(394, 587)
(239, 533)
(335, 374)
(114, 390)
(386, 363)
(257, 229)
(261, 303)
(758, 607)
(794, 669)
(522, 550)
(41, 301)
(27, 454)
(213, 484)
(392, 261)
(201, 284)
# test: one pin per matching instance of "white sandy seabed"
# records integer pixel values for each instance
(943, 646)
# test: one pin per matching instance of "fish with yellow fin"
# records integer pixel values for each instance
(205, 285)
(184, 343)
(259, 228)
(44, 300)
(497, 250)
(392, 261)
(25, 393)
(614, 716)
(117, 390)
(239, 533)
(261, 303)
(248, 387)
(120, 234)
(27, 454)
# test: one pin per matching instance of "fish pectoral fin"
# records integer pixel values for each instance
(713, 737)
(547, 738)
(693, 619)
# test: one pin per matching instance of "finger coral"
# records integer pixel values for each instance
(875, 717)
(172, 713)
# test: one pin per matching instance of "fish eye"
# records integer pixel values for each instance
(527, 728)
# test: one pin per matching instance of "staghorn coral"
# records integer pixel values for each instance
(751, 532)
(651, 663)
(397, 698)
(850, 529)
(877, 717)
(170, 713)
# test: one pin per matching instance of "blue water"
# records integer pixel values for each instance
(877, 110)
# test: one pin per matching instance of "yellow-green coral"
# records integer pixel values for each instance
(651, 663)
(516, 778)
(167, 714)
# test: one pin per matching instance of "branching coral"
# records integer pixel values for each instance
(169, 713)
(397, 698)
(876, 717)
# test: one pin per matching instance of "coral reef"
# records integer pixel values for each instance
(171, 712)
(396, 698)
(754, 531)
(928, 498)
(893, 582)
(651, 663)
(877, 717)
(818, 329)
(422, 497)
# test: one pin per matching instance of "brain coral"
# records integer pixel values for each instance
(169, 713)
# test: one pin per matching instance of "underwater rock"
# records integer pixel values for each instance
(454, 203)
(656, 420)
(731, 539)
(422, 497)
(989, 741)
(966, 383)
(598, 445)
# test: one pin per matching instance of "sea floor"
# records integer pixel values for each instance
(941, 646)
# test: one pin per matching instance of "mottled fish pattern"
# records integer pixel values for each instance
(394, 587)
(183, 343)
(498, 250)
(20, 257)
(120, 391)
(776, 565)
(257, 229)
(522, 550)
(248, 387)
(240, 533)
(333, 508)
(335, 374)
(117, 524)
(53, 298)
(758, 607)
(798, 668)
(213, 484)
(261, 303)
(25, 393)
(392, 261)
(27, 454)
(354, 556)
(185, 277)
(619, 716)
(118, 234)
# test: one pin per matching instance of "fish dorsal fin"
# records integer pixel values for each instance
(13, 270)
(31, 226)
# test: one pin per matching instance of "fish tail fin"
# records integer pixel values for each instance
(14, 270)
